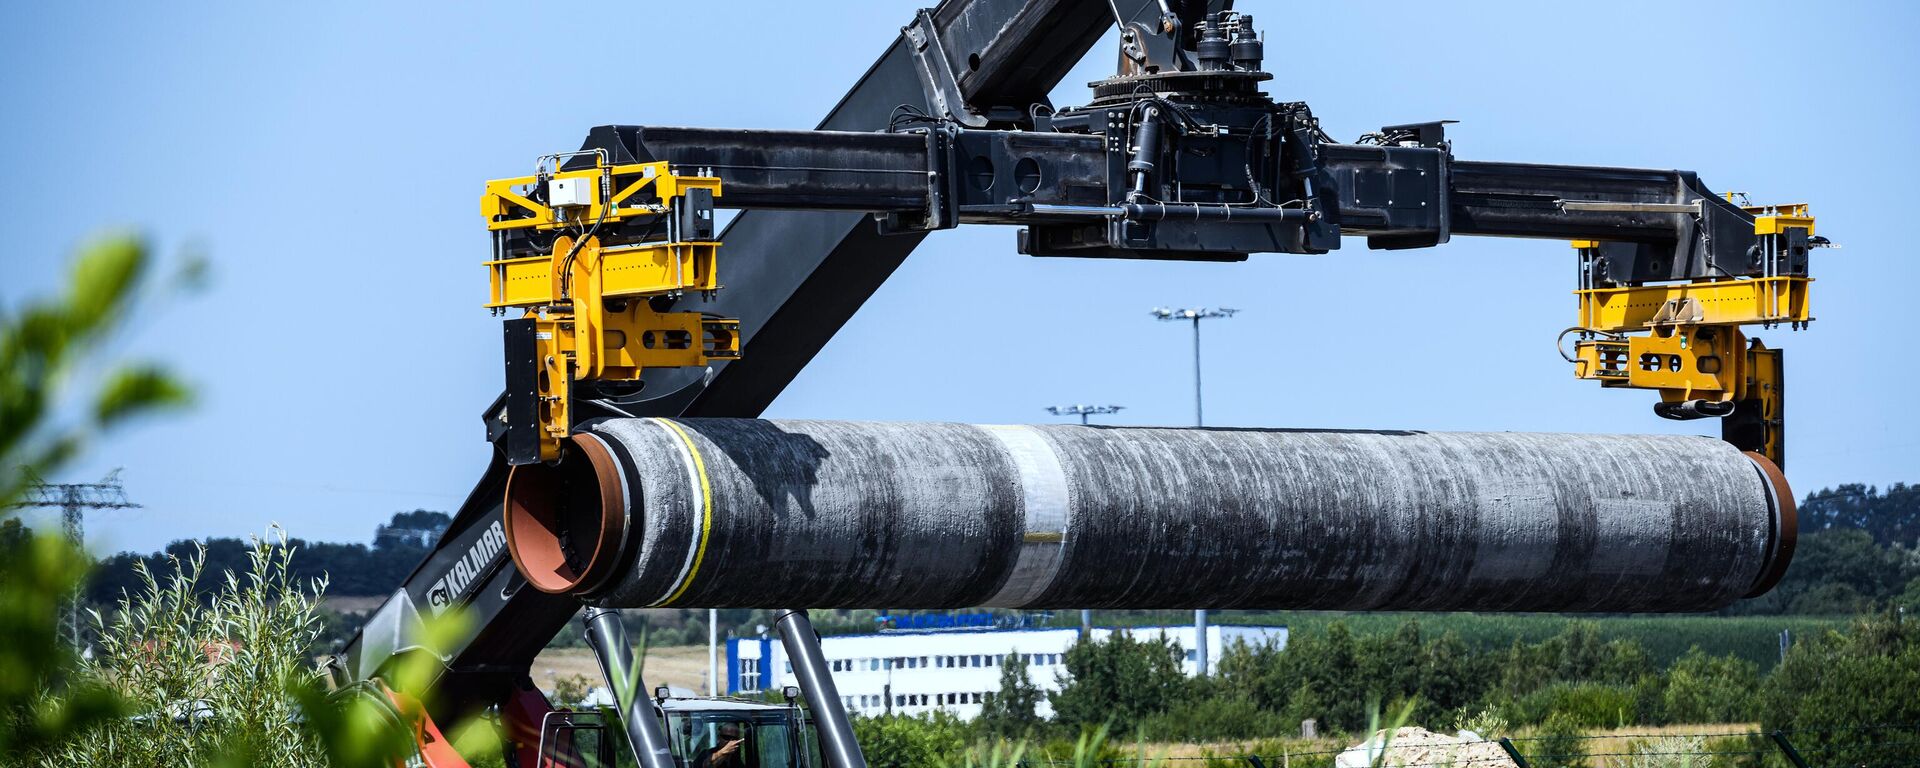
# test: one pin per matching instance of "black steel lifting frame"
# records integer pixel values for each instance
(952, 125)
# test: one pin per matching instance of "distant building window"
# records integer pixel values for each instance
(976, 697)
(923, 661)
(873, 665)
(749, 675)
(1190, 655)
(976, 662)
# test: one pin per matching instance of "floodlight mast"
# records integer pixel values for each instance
(1084, 411)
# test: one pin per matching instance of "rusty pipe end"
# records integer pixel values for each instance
(567, 523)
(1786, 525)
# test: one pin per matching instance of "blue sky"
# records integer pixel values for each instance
(328, 158)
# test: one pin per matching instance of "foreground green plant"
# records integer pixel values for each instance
(1561, 744)
(205, 681)
(47, 351)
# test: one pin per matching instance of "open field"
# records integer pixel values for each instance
(682, 666)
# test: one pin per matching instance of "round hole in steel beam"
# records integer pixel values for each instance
(980, 170)
(1026, 174)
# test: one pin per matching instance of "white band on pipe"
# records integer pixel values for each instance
(695, 500)
(1043, 537)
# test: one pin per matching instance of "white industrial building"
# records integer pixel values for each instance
(912, 672)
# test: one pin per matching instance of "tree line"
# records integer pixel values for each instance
(351, 569)
(1858, 548)
(1822, 689)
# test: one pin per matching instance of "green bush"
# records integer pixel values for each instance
(1833, 683)
(1560, 744)
(1119, 682)
(912, 741)
(1752, 751)
(1710, 689)
(1221, 717)
(1588, 705)
(1012, 713)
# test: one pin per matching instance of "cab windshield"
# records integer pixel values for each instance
(739, 739)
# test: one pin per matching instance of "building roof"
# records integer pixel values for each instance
(1035, 630)
(718, 704)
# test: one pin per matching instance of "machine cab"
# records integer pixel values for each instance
(768, 735)
(701, 733)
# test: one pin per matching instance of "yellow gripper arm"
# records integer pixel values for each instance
(583, 253)
(1686, 339)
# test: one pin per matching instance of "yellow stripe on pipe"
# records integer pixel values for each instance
(706, 512)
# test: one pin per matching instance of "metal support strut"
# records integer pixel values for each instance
(810, 666)
(608, 639)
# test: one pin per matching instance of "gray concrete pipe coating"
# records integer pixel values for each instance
(824, 514)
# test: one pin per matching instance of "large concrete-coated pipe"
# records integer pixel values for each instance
(741, 513)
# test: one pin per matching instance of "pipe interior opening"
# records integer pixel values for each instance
(564, 522)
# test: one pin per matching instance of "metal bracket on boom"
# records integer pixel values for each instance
(587, 289)
(1685, 339)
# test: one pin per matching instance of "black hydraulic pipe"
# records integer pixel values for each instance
(1198, 212)
(738, 512)
(1146, 148)
(837, 742)
(608, 639)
